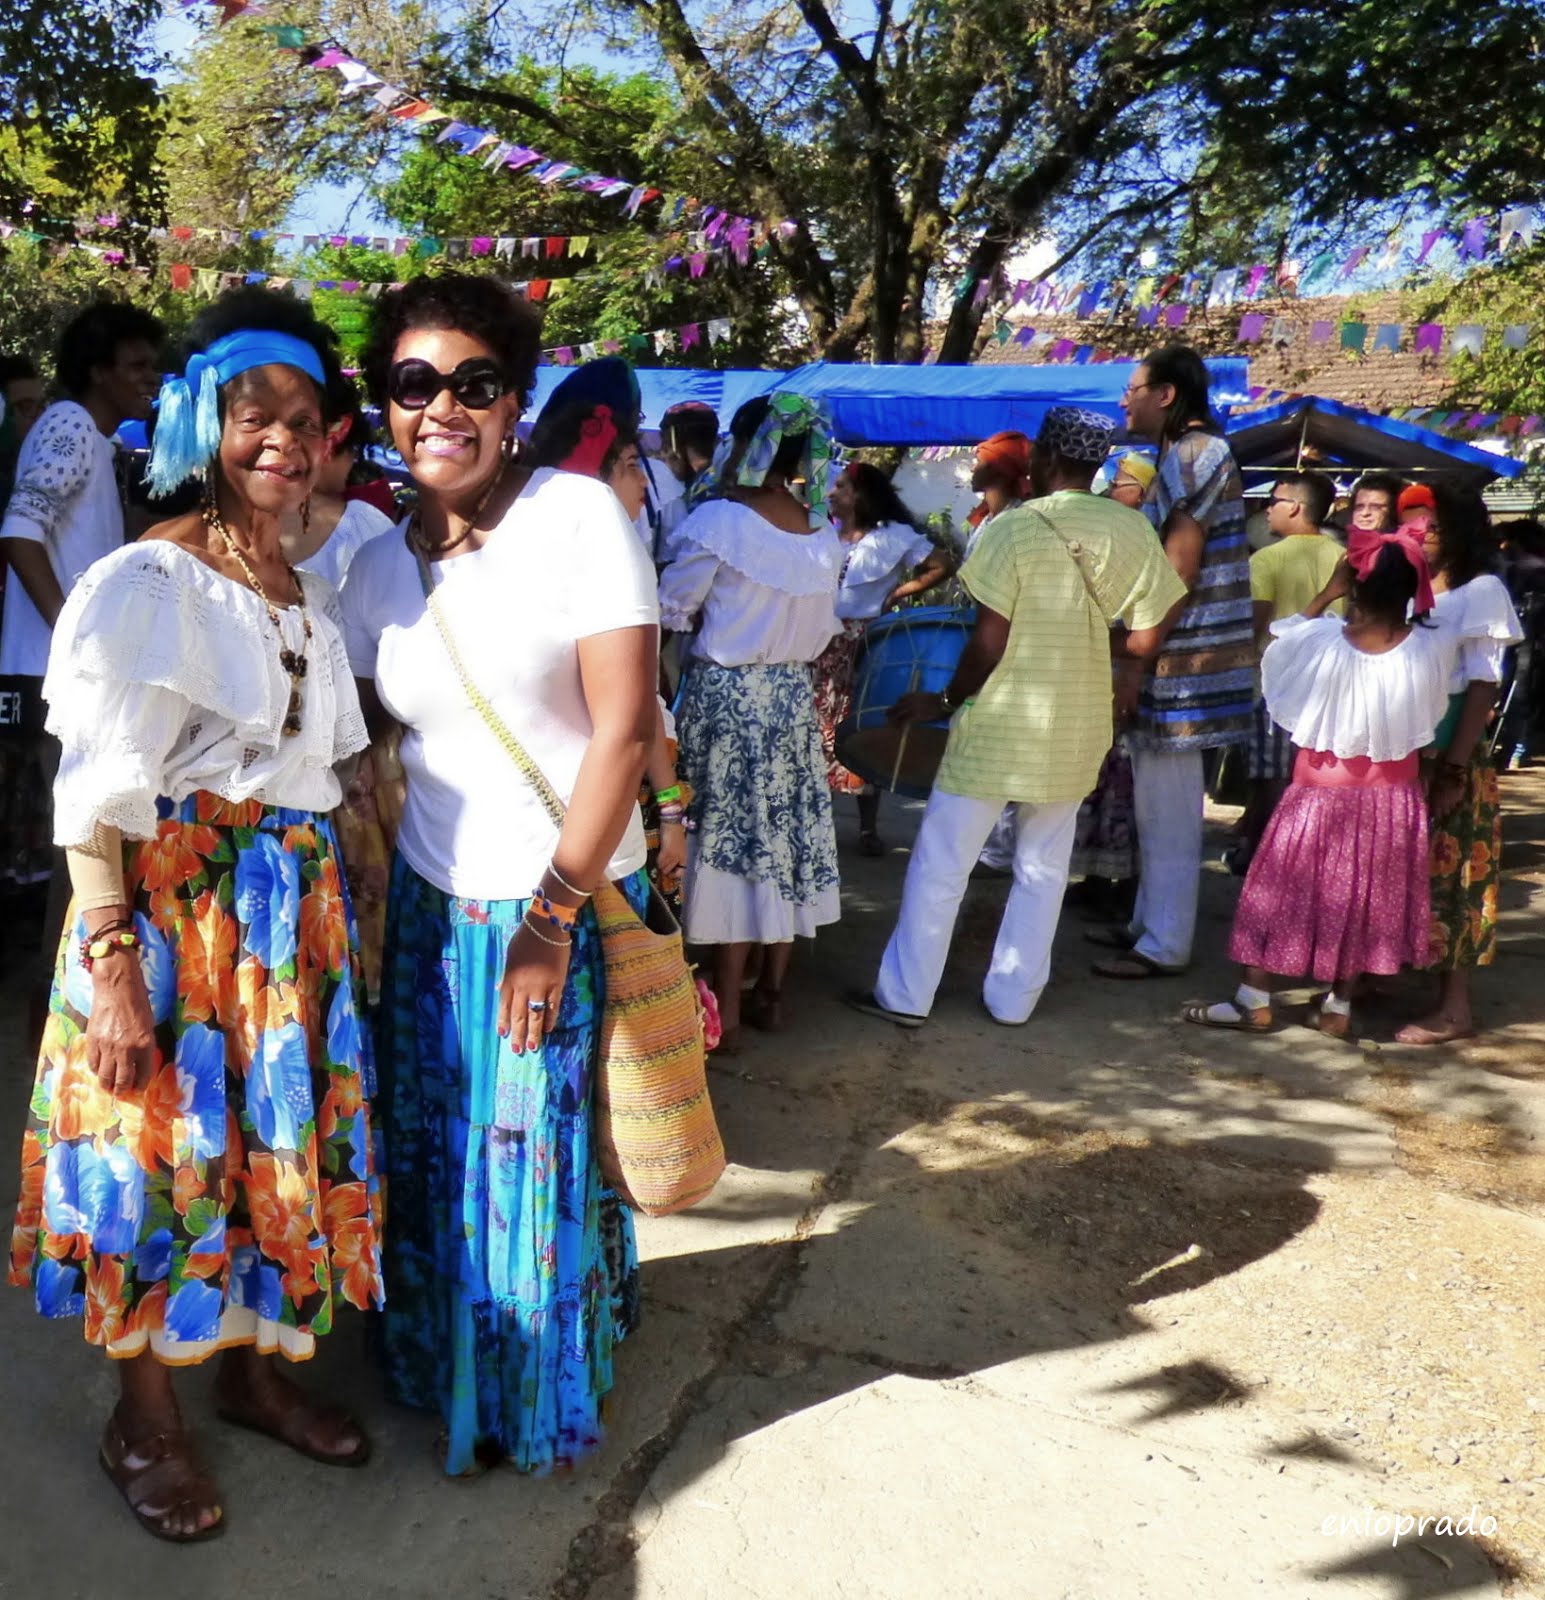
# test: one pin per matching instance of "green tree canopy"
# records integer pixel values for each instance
(82, 109)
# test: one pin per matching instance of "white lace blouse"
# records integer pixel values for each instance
(1331, 696)
(766, 597)
(164, 679)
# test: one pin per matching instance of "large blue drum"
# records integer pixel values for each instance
(904, 651)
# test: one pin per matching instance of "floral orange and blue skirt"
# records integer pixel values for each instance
(232, 1199)
(1467, 872)
(511, 1272)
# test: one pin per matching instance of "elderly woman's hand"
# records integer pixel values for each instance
(535, 971)
(120, 1033)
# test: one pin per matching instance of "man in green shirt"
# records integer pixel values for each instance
(1032, 704)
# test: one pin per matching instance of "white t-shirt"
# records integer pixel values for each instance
(563, 564)
(359, 524)
(66, 499)
(874, 565)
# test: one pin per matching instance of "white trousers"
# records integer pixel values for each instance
(1169, 791)
(998, 852)
(948, 843)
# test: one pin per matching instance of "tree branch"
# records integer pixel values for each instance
(507, 100)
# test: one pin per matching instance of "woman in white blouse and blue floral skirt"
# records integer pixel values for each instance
(757, 572)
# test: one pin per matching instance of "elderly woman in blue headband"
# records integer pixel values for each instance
(197, 1176)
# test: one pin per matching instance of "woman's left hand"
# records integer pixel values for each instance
(672, 854)
(535, 971)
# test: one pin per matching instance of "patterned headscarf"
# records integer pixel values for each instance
(1077, 434)
(788, 416)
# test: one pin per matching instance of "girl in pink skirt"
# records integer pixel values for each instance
(1339, 885)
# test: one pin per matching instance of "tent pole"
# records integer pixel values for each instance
(1303, 441)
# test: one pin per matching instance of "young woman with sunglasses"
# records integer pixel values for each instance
(508, 604)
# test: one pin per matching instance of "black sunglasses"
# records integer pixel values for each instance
(476, 384)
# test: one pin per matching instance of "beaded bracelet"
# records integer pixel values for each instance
(536, 933)
(117, 936)
(563, 917)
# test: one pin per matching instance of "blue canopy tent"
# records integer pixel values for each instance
(895, 405)
(904, 405)
(1313, 431)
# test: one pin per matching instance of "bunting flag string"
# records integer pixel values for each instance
(185, 276)
(1355, 338)
(1169, 297)
(739, 234)
(658, 341)
(495, 246)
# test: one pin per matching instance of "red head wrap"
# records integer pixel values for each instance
(597, 434)
(1364, 549)
(1416, 497)
(1010, 454)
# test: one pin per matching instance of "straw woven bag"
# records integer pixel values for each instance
(656, 1137)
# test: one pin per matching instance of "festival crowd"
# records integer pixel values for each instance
(283, 744)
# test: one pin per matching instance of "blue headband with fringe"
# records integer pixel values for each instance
(188, 413)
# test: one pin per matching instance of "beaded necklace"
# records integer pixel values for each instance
(293, 662)
(416, 527)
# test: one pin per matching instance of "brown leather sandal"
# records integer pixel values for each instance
(295, 1421)
(159, 1476)
(763, 1009)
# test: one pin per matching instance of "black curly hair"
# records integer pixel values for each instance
(253, 307)
(1389, 589)
(1467, 547)
(92, 337)
(465, 302)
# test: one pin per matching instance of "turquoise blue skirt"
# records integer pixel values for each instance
(511, 1272)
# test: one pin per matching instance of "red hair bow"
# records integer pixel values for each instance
(597, 434)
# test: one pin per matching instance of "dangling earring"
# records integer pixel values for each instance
(305, 519)
(508, 448)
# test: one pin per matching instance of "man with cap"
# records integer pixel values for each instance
(1031, 701)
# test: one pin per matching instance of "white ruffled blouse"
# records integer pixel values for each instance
(766, 597)
(164, 679)
(1478, 623)
(874, 566)
(1331, 696)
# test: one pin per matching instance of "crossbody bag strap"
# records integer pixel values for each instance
(1076, 555)
(496, 724)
